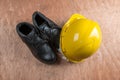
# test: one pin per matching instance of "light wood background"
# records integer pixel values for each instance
(17, 62)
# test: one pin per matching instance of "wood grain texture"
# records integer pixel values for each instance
(17, 62)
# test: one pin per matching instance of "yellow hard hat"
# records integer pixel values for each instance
(80, 38)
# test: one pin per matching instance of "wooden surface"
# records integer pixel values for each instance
(17, 62)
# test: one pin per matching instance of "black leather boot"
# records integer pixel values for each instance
(34, 40)
(51, 29)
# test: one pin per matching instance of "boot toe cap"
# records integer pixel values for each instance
(50, 58)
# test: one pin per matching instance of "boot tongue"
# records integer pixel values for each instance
(31, 35)
(42, 26)
(41, 30)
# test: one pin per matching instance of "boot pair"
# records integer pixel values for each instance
(42, 38)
